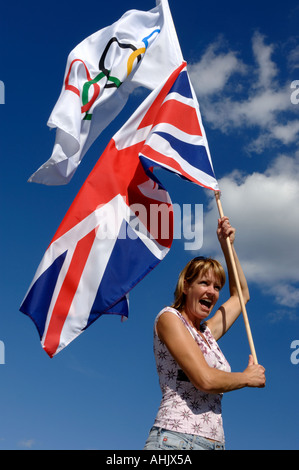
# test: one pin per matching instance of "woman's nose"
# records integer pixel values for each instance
(211, 290)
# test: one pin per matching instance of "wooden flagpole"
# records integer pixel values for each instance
(237, 281)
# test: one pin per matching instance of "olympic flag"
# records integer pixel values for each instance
(107, 242)
(140, 49)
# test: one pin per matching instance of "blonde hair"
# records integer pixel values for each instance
(195, 267)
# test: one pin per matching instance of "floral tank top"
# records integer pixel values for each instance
(183, 407)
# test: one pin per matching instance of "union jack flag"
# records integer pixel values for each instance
(107, 241)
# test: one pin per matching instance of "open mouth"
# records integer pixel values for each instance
(206, 303)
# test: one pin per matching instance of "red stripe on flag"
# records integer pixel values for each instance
(151, 114)
(158, 157)
(179, 115)
(67, 292)
(111, 175)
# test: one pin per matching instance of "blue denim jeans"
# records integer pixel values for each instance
(163, 439)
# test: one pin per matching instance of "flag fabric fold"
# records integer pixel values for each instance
(140, 49)
(113, 235)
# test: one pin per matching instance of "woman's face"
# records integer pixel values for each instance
(202, 295)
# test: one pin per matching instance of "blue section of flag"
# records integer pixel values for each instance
(120, 308)
(38, 299)
(182, 86)
(129, 262)
(196, 155)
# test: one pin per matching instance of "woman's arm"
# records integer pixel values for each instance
(226, 315)
(188, 355)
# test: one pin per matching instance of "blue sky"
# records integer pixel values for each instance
(102, 391)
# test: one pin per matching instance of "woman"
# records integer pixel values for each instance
(193, 372)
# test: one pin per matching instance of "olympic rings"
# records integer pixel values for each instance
(112, 82)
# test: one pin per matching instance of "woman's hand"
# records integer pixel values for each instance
(225, 230)
(255, 374)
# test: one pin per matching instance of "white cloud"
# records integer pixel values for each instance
(287, 295)
(293, 58)
(287, 133)
(261, 108)
(234, 95)
(212, 73)
(264, 208)
(283, 133)
(27, 443)
(267, 69)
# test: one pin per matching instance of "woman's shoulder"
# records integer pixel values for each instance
(164, 310)
(169, 309)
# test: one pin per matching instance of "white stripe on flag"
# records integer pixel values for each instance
(178, 134)
(88, 286)
(160, 145)
(181, 99)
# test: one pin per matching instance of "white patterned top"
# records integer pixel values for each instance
(183, 407)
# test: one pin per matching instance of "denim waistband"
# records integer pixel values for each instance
(194, 441)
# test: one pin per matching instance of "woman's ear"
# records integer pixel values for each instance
(186, 286)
